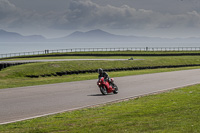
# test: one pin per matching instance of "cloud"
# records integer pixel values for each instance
(85, 14)
(6, 7)
(7, 10)
(8, 13)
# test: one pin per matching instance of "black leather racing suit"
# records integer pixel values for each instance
(105, 75)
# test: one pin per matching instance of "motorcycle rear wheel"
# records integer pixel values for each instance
(103, 90)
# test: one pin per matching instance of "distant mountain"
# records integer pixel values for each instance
(16, 37)
(93, 35)
(89, 36)
(102, 36)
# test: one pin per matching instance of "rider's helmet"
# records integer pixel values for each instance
(100, 70)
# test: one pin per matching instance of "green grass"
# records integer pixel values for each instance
(53, 67)
(23, 81)
(128, 52)
(173, 111)
(69, 57)
(101, 53)
(15, 76)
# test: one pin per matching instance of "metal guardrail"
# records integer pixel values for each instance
(101, 49)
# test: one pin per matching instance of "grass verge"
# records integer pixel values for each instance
(53, 67)
(16, 76)
(106, 53)
(24, 81)
(173, 111)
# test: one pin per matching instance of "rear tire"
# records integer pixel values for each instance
(103, 90)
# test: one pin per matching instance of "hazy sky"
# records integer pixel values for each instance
(56, 18)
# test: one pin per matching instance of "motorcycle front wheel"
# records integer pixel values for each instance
(116, 89)
(103, 90)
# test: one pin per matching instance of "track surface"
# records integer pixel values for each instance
(22, 103)
(52, 60)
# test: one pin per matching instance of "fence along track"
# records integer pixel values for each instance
(99, 49)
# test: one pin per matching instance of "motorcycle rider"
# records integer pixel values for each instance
(106, 86)
(103, 74)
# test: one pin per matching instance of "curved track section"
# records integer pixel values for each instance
(22, 103)
(52, 60)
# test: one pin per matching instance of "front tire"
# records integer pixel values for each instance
(103, 90)
(116, 89)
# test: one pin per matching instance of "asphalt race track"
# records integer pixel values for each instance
(23, 103)
(52, 60)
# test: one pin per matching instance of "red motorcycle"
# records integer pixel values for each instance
(107, 87)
